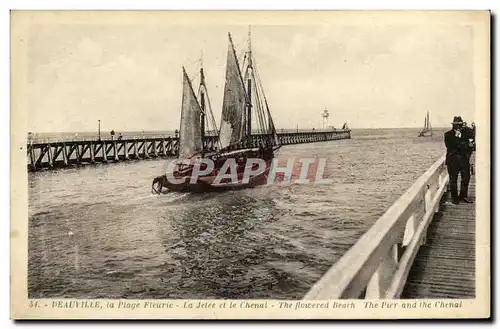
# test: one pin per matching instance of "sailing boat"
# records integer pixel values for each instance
(236, 141)
(427, 131)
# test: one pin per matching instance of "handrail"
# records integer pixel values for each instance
(86, 138)
(373, 264)
(34, 139)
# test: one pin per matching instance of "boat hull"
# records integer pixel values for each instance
(205, 184)
(425, 134)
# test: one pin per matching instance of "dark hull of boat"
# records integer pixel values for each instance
(425, 134)
(206, 184)
(203, 187)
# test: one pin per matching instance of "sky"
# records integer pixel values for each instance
(129, 74)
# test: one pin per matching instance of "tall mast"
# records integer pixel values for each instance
(202, 103)
(249, 82)
(429, 123)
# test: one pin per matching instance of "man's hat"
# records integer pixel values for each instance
(457, 121)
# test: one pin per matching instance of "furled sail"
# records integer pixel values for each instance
(232, 129)
(190, 136)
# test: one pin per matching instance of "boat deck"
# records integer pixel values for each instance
(445, 266)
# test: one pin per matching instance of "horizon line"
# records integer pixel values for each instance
(168, 130)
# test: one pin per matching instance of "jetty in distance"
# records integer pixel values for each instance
(57, 154)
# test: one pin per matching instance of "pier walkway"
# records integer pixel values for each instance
(422, 247)
(445, 265)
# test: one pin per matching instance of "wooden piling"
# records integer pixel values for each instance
(125, 150)
(51, 159)
(104, 153)
(65, 155)
(32, 156)
(155, 150)
(136, 153)
(77, 154)
(115, 152)
(146, 150)
(92, 152)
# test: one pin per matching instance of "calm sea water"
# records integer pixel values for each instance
(98, 232)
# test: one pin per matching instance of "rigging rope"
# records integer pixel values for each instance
(260, 113)
(260, 117)
(259, 82)
(271, 122)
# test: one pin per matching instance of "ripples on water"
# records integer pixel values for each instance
(98, 232)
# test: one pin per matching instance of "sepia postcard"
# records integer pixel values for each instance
(250, 164)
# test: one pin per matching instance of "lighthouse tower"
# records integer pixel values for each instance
(325, 116)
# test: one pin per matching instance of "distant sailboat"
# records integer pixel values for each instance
(427, 131)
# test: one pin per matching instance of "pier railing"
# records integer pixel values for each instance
(377, 266)
(97, 138)
(66, 137)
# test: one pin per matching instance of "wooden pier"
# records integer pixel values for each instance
(420, 248)
(60, 154)
(445, 267)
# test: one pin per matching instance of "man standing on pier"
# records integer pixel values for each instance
(457, 160)
(471, 137)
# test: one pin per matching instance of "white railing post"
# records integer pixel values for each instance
(381, 279)
(439, 184)
(427, 206)
(428, 198)
(410, 228)
(443, 179)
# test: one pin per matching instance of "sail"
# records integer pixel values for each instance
(232, 129)
(429, 123)
(275, 141)
(190, 137)
(427, 130)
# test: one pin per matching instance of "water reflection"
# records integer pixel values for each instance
(212, 244)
